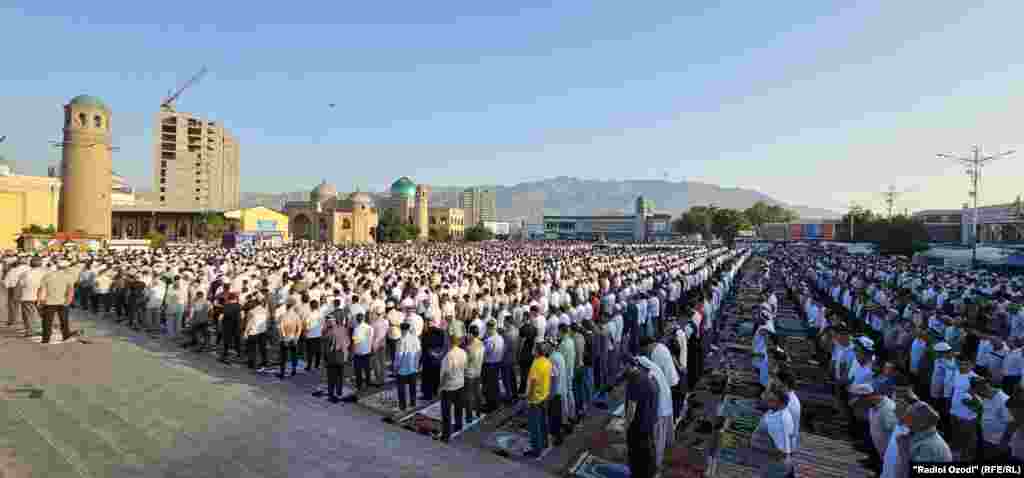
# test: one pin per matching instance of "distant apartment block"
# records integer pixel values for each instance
(479, 204)
(195, 163)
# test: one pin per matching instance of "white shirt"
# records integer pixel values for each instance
(362, 338)
(662, 357)
(794, 410)
(779, 426)
(892, 459)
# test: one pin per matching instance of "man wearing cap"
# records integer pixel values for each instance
(997, 423)
(407, 361)
(943, 371)
(924, 444)
(28, 287)
(13, 273)
(882, 419)
(452, 381)
(963, 417)
(494, 355)
(538, 390)
(510, 359)
(56, 291)
(772, 442)
(527, 350)
(641, 417)
(474, 368)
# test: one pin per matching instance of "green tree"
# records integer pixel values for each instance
(215, 225)
(763, 213)
(156, 240)
(727, 223)
(862, 223)
(392, 230)
(696, 220)
(478, 233)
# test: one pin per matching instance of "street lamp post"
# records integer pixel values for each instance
(974, 163)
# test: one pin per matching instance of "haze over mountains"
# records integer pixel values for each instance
(577, 197)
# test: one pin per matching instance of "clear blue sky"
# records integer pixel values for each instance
(815, 103)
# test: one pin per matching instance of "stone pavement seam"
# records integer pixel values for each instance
(78, 467)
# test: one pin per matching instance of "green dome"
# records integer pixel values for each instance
(87, 100)
(403, 187)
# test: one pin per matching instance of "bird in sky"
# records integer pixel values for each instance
(3, 138)
(331, 105)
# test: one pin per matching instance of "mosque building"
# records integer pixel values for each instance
(327, 217)
(411, 203)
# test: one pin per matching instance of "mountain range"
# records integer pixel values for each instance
(569, 196)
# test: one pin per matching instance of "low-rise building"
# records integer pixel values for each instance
(26, 201)
(447, 223)
(260, 220)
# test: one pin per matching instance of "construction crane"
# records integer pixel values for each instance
(168, 103)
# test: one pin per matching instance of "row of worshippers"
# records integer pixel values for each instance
(937, 377)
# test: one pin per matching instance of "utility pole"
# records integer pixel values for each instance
(890, 199)
(974, 163)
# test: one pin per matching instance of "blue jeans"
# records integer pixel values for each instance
(537, 422)
(584, 389)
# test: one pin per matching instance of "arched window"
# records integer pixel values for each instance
(83, 120)
(346, 223)
(98, 121)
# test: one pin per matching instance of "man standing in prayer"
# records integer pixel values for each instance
(290, 328)
(664, 427)
(337, 341)
(474, 366)
(407, 361)
(641, 418)
(56, 291)
(538, 390)
(494, 354)
(28, 287)
(380, 325)
(510, 360)
(453, 375)
(362, 343)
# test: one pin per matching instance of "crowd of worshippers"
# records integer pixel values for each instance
(955, 337)
(449, 320)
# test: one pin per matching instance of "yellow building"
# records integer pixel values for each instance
(260, 219)
(24, 201)
(447, 223)
(326, 217)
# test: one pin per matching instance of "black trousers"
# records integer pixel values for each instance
(492, 391)
(198, 330)
(335, 380)
(229, 338)
(362, 365)
(641, 455)
(524, 372)
(313, 352)
(255, 346)
(555, 418)
(451, 400)
(289, 353)
(61, 312)
(508, 378)
(406, 390)
(430, 381)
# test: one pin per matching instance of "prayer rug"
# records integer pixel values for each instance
(616, 425)
(591, 466)
(320, 391)
(507, 443)
(619, 411)
(517, 423)
(428, 421)
(386, 402)
(300, 369)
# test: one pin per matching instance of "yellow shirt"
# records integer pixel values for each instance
(539, 381)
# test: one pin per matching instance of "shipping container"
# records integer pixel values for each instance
(796, 232)
(828, 232)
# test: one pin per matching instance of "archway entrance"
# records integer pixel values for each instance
(301, 227)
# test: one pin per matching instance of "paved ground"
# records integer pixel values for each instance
(125, 405)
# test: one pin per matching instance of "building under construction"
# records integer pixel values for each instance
(195, 163)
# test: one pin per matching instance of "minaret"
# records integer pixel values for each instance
(423, 211)
(86, 168)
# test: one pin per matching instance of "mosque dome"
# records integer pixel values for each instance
(323, 191)
(360, 198)
(403, 187)
(88, 100)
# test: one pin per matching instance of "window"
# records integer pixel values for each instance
(98, 121)
(197, 181)
(83, 121)
(162, 199)
(163, 164)
(197, 189)
(346, 224)
(163, 190)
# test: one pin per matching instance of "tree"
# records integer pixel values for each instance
(763, 213)
(392, 230)
(727, 223)
(862, 221)
(478, 233)
(156, 240)
(696, 220)
(214, 226)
